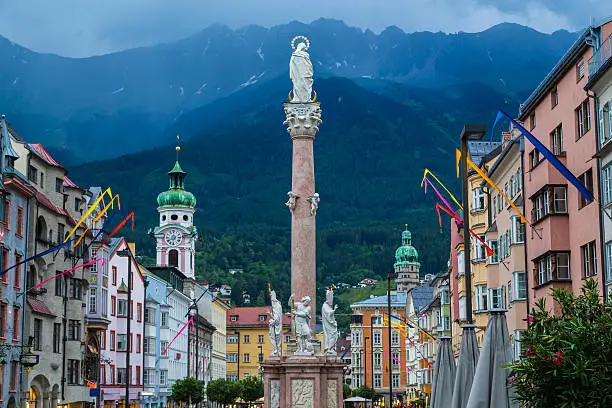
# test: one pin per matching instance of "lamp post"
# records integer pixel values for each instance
(391, 276)
(469, 132)
(127, 253)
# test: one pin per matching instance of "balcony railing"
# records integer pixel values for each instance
(602, 55)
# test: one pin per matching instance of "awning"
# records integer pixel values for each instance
(38, 306)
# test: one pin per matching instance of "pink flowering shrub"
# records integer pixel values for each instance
(567, 359)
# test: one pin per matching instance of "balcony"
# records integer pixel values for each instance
(602, 55)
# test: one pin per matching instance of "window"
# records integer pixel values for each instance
(395, 359)
(534, 158)
(589, 260)
(122, 342)
(583, 119)
(77, 204)
(114, 278)
(19, 231)
(74, 330)
(73, 372)
(232, 357)
(262, 318)
(396, 380)
(163, 377)
(377, 380)
(377, 361)
(2, 320)
(38, 330)
(246, 338)
(395, 337)
(233, 318)
(518, 230)
(139, 312)
(149, 315)
(112, 374)
(42, 180)
(138, 341)
(148, 346)
(232, 338)
(260, 338)
(516, 345)
(121, 375)
(520, 285)
(560, 197)
(33, 174)
(462, 308)
(478, 199)
(586, 179)
(260, 357)
(103, 340)
(444, 298)
(57, 337)
(122, 308)
(579, 70)
(532, 121)
(496, 298)
(554, 266)
(60, 233)
(164, 348)
(164, 319)
(606, 184)
(461, 263)
(75, 289)
(13, 373)
(609, 261)
(59, 184)
(92, 300)
(556, 141)
(481, 298)
(4, 263)
(148, 376)
(479, 249)
(111, 340)
(541, 205)
(554, 97)
(377, 337)
(246, 358)
(173, 257)
(494, 245)
(605, 122)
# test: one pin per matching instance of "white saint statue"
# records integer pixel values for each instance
(301, 73)
(301, 315)
(330, 326)
(275, 323)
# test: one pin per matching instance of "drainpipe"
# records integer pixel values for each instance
(601, 211)
(144, 303)
(25, 291)
(525, 258)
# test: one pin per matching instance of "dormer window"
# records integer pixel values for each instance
(233, 318)
(262, 318)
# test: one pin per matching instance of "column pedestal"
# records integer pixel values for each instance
(303, 382)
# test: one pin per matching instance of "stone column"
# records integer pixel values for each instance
(303, 120)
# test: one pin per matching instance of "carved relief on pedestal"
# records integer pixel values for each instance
(302, 394)
(332, 394)
(275, 394)
(303, 119)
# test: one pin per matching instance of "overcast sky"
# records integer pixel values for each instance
(88, 27)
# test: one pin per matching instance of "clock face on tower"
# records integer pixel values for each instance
(173, 237)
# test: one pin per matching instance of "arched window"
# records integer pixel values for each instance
(173, 257)
(41, 229)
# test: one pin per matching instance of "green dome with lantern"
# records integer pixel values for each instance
(406, 254)
(176, 195)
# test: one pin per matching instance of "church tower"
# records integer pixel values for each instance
(176, 235)
(407, 264)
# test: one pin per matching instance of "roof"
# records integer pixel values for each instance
(421, 297)
(38, 306)
(398, 299)
(69, 183)
(43, 154)
(249, 316)
(564, 63)
(479, 150)
(114, 243)
(47, 203)
(503, 154)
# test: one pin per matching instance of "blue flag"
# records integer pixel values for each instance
(549, 156)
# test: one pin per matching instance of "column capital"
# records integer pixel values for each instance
(303, 119)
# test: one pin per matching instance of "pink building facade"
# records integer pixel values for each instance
(116, 341)
(564, 246)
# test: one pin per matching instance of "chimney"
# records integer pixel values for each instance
(132, 246)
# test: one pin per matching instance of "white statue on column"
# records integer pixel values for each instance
(275, 324)
(314, 203)
(301, 72)
(292, 200)
(301, 315)
(330, 325)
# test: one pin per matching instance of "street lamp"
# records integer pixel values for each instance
(127, 253)
(469, 132)
(390, 277)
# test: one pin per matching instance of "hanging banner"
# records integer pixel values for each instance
(440, 207)
(426, 172)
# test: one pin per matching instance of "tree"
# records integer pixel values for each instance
(188, 390)
(346, 391)
(252, 389)
(365, 392)
(566, 357)
(223, 391)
